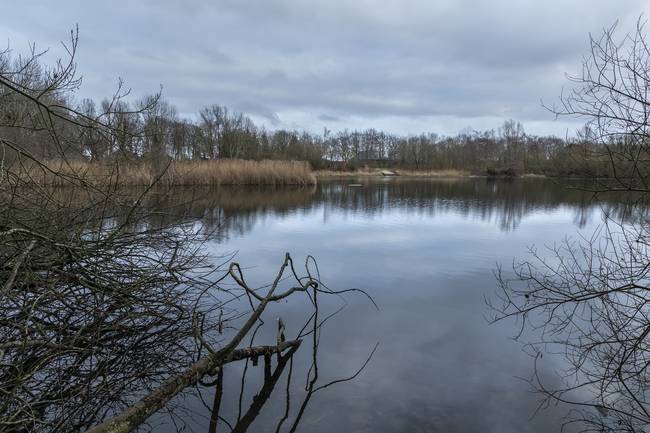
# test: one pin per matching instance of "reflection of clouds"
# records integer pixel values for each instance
(425, 250)
(373, 238)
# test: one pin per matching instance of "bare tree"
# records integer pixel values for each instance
(108, 308)
(587, 300)
(611, 95)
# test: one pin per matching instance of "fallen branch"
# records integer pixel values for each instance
(129, 419)
(136, 414)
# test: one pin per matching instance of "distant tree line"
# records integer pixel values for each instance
(151, 129)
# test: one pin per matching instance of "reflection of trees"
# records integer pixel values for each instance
(502, 202)
(234, 211)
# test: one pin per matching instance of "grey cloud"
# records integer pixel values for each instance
(256, 109)
(389, 64)
(328, 118)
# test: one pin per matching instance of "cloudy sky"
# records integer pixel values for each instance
(404, 66)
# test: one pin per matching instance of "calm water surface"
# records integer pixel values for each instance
(425, 250)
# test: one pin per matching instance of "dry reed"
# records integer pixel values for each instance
(176, 173)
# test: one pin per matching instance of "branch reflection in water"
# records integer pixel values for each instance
(273, 370)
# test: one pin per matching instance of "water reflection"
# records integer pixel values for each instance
(270, 391)
(234, 211)
(426, 251)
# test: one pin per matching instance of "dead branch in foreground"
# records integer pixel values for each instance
(136, 414)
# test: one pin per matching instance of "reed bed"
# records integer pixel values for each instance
(176, 173)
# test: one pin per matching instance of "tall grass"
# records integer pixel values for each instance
(240, 172)
(176, 173)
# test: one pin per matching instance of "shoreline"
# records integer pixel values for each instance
(387, 173)
(431, 174)
(223, 173)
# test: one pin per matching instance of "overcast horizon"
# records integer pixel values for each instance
(404, 67)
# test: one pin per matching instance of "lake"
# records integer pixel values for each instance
(426, 252)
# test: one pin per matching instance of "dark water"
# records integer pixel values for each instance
(425, 250)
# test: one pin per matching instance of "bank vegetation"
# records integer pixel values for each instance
(171, 173)
(146, 133)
